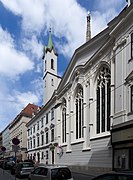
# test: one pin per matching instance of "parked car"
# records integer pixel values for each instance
(1, 163)
(13, 168)
(29, 160)
(5, 164)
(115, 176)
(23, 169)
(51, 173)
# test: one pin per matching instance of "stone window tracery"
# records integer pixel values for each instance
(79, 113)
(103, 101)
(64, 121)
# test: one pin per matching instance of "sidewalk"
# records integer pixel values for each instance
(4, 175)
(89, 170)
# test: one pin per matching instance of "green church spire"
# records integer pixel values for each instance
(50, 45)
(50, 42)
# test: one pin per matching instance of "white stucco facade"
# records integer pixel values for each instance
(92, 98)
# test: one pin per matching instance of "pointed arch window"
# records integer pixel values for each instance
(103, 101)
(79, 113)
(52, 64)
(64, 121)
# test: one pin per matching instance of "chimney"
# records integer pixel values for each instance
(129, 2)
(88, 30)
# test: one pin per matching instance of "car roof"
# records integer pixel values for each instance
(25, 163)
(52, 166)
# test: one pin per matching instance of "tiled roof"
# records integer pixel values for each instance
(27, 111)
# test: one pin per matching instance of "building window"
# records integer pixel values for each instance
(47, 118)
(31, 130)
(103, 101)
(46, 137)
(52, 135)
(28, 144)
(132, 45)
(34, 128)
(52, 82)
(132, 98)
(42, 155)
(52, 113)
(38, 141)
(34, 143)
(46, 154)
(64, 121)
(31, 144)
(41, 122)
(38, 125)
(42, 139)
(79, 113)
(52, 64)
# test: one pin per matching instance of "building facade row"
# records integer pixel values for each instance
(17, 129)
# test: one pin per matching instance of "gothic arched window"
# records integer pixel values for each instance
(79, 113)
(64, 121)
(52, 64)
(103, 101)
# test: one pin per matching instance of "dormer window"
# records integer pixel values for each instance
(52, 64)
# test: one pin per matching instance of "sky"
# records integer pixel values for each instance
(24, 27)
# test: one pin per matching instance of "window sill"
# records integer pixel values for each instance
(130, 60)
(86, 149)
(77, 141)
(100, 135)
(64, 144)
(130, 113)
(69, 151)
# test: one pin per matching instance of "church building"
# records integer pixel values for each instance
(87, 114)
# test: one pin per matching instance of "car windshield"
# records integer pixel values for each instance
(60, 173)
(25, 165)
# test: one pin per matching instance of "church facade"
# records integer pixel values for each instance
(78, 122)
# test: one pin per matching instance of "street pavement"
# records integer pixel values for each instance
(4, 175)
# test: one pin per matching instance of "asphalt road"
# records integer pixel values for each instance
(80, 176)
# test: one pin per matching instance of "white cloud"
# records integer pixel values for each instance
(37, 86)
(25, 98)
(13, 62)
(33, 46)
(66, 17)
(100, 19)
(12, 102)
(104, 12)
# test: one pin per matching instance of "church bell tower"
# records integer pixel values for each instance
(50, 78)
